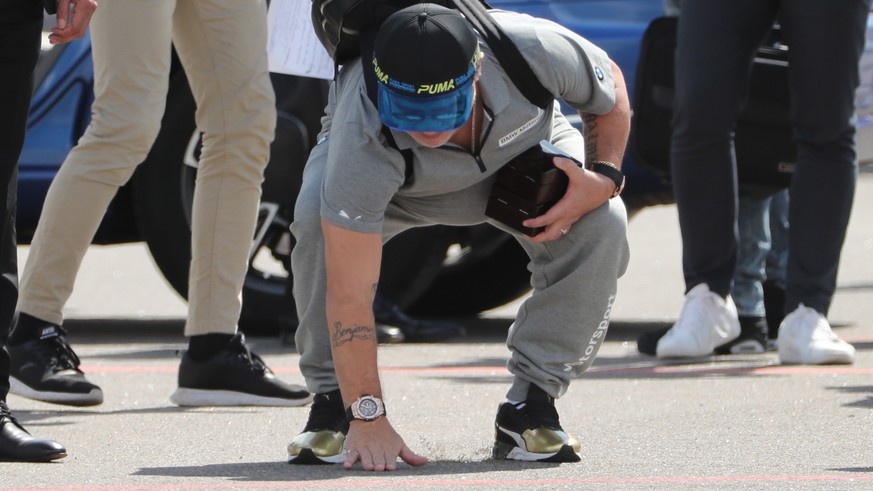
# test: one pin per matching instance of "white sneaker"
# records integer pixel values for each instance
(805, 337)
(706, 321)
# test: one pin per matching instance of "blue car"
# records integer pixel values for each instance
(432, 271)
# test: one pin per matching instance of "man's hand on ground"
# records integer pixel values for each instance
(377, 446)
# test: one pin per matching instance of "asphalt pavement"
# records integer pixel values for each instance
(731, 422)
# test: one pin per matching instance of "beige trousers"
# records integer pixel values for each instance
(222, 46)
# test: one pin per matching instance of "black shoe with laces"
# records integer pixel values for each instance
(324, 435)
(414, 330)
(17, 445)
(47, 369)
(234, 377)
(531, 431)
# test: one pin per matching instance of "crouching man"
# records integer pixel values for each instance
(454, 113)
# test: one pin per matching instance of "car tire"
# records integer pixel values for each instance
(488, 269)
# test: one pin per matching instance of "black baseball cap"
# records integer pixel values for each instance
(425, 59)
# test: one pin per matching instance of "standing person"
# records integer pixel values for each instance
(222, 46)
(20, 39)
(460, 132)
(716, 44)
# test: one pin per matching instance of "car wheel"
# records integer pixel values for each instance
(163, 189)
(484, 269)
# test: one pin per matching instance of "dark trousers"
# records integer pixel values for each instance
(20, 31)
(716, 45)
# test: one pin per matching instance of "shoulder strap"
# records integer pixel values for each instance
(507, 53)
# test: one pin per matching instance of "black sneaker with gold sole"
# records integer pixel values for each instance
(324, 435)
(530, 431)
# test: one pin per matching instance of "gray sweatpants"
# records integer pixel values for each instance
(557, 331)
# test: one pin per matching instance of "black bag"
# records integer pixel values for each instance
(339, 23)
(527, 187)
(341, 26)
(764, 148)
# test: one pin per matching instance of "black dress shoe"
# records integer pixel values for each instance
(389, 334)
(414, 330)
(16, 444)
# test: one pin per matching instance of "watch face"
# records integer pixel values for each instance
(367, 407)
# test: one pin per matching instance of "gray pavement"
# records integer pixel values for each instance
(738, 422)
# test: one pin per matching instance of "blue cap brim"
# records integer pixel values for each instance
(445, 112)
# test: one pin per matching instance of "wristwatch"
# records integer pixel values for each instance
(610, 170)
(366, 408)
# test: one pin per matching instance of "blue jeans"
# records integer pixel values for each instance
(762, 253)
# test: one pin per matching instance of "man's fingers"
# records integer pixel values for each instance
(411, 457)
(351, 458)
(367, 460)
(78, 25)
(63, 13)
(567, 166)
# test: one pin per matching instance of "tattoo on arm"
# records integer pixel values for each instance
(590, 127)
(342, 335)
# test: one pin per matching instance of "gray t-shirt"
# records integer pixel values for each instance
(363, 173)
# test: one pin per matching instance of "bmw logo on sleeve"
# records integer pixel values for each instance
(598, 73)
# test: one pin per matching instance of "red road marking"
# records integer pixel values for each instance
(702, 369)
(457, 483)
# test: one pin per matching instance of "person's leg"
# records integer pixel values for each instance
(776, 264)
(310, 282)
(222, 46)
(716, 45)
(130, 48)
(323, 436)
(747, 292)
(777, 258)
(19, 49)
(825, 42)
(20, 31)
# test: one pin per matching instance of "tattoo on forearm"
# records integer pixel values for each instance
(342, 335)
(590, 127)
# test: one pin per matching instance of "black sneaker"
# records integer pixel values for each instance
(530, 431)
(774, 305)
(752, 339)
(324, 435)
(234, 377)
(647, 343)
(414, 330)
(47, 369)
